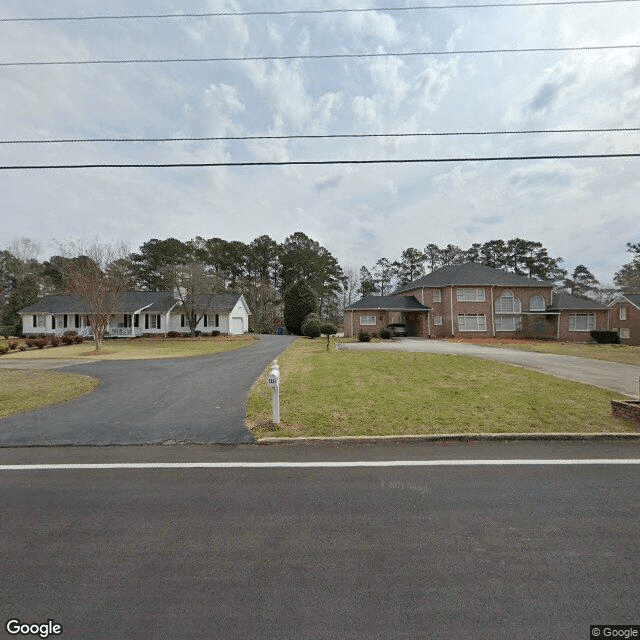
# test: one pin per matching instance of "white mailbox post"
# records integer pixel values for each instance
(273, 382)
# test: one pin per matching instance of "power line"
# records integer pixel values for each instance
(322, 136)
(327, 56)
(315, 162)
(221, 14)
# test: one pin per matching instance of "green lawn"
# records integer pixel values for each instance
(626, 354)
(339, 393)
(22, 390)
(138, 349)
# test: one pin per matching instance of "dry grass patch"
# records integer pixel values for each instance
(340, 393)
(26, 390)
(139, 348)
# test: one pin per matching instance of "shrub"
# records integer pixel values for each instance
(606, 337)
(311, 326)
(385, 334)
(78, 339)
(215, 334)
(4, 350)
(173, 334)
(68, 339)
(364, 337)
(13, 345)
(55, 341)
(186, 334)
(30, 342)
(198, 334)
(22, 348)
(41, 343)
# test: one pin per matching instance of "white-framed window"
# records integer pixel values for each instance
(536, 303)
(368, 320)
(508, 303)
(508, 323)
(472, 322)
(437, 320)
(623, 313)
(437, 295)
(470, 295)
(625, 333)
(153, 321)
(582, 322)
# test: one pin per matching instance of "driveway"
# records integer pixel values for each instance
(199, 400)
(622, 378)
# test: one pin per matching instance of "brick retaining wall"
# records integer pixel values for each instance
(629, 411)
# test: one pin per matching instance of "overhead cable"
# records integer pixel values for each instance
(175, 165)
(221, 14)
(326, 56)
(319, 136)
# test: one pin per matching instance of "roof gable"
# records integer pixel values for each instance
(632, 298)
(472, 273)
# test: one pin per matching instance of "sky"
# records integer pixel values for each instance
(584, 211)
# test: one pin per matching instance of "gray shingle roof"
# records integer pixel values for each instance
(395, 303)
(562, 301)
(472, 273)
(131, 301)
(633, 298)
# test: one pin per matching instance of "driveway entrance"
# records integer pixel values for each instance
(181, 400)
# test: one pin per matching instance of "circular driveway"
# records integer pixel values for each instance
(622, 378)
(179, 400)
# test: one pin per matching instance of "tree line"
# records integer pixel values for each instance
(264, 270)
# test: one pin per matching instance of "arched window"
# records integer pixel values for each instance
(508, 303)
(536, 303)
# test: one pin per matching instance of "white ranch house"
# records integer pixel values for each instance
(140, 312)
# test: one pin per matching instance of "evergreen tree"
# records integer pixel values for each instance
(299, 302)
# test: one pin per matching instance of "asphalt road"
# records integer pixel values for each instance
(539, 551)
(622, 378)
(199, 400)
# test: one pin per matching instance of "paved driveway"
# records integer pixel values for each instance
(200, 400)
(622, 378)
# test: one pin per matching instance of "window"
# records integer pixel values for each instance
(136, 320)
(34, 320)
(508, 323)
(65, 321)
(536, 303)
(623, 313)
(151, 321)
(508, 303)
(76, 321)
(367, 320)
(217, 320)
(470, 295)
(625, 333)
(437, 320)
(205, 320)
(182, 324)
(582, 322)
(472, 322)
(437, 295)
(53, 322)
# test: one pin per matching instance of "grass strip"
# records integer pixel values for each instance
(340, 393)
(22, 390)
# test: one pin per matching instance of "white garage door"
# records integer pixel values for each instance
(237, 326)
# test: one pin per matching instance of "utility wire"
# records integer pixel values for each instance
(314, 162)
(314, 11)
(323, 56)
(322, 136)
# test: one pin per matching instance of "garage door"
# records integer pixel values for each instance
(237, 326)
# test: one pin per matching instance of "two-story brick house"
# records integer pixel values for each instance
(474, 300)
(624, 317)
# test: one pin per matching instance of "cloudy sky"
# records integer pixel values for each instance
(582, 210)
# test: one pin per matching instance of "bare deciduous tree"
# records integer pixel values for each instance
(93, 271)
(195, 286)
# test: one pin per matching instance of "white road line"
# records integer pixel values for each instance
(321, 464)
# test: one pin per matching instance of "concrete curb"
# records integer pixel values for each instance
(451, 437)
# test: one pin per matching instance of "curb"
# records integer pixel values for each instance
(452, 437)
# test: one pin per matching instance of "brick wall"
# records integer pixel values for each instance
(632, 322)
(581, 336)
(352, 326)
(628, 411)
